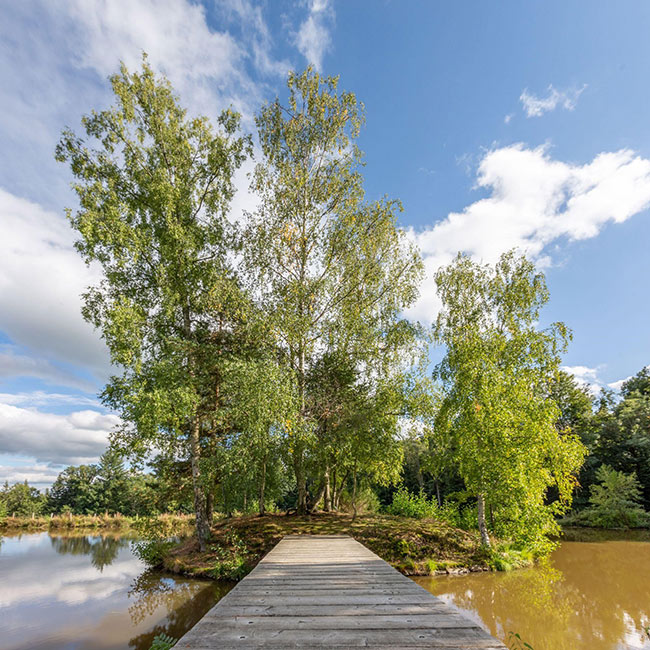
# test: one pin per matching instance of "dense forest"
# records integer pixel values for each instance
(264, 363)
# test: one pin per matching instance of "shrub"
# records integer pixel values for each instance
(418, 506)
(162, 642)
(614, 502)
(153, 551)
(231, 559)
(367, 501)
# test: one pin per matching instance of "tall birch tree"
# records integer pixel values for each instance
(331, 271)
(154, 186)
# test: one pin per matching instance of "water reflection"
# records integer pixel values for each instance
(89, 592)
(102, 549)
(184, 602)
(590, 596)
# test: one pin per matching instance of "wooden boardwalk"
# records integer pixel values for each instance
(331, 592)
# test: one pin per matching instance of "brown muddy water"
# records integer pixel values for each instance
(86, 592)
(591, 595)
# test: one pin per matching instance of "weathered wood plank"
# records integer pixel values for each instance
(331, 592)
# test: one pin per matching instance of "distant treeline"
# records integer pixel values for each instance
(107, 487)
(612, 490)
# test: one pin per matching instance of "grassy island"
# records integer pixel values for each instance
(413, 546)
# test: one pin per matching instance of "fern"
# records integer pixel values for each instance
(162, 642)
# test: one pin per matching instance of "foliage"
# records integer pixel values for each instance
(333, 274)
(497, 411)
(406, 504)
(230, 558)
(515, 642)
(21, 500)
(157, 537)
(154, 186)
(162, 642)
(615, 502)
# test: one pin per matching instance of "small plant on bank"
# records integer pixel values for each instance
(515, 642)
(162, 642)
(158, 538)
(230, 559)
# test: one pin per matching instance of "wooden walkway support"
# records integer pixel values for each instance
(331, 592)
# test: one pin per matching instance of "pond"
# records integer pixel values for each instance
(591, 595)
(89, 592)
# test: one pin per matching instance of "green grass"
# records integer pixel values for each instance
(413, 546)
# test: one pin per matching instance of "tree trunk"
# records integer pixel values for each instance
(438, 493)
(262, 486)
(301, 484)
(318, 496)
(202, 525)
(482, 526)
(209, 507)
(327, 499)
(298, 455)
(354, 493)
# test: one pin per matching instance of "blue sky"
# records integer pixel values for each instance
(499, 125)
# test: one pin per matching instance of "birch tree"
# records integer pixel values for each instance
(330, 270)
(497, 372)
(154, 186)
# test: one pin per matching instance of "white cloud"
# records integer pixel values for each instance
(586, 377)
(38, 475)
(41, 281)
(533, 201)
(72, 439)
(41, 398)
(508, 117)
(617, 385)
(537, 106)
(14, 364)
(204, 65)
(313, 38)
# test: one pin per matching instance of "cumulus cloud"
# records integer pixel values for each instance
(72, 439)
(206, 66)
(533, 201)
(39, 475)
(41, 398)
(313, 38)
(14, 364)
(41, 280)
(617, 385)
(586, 377)
(536, 106)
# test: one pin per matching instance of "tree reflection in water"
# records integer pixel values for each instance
(183, 602)
(591, 597)
(102, 549)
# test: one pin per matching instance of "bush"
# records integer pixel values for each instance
(614, 502)
(153, 551)
(367, 501)
(418, 506)
(231, 563)
(162, 642)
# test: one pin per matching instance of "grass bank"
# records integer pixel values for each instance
(66, 522)
(413, 546)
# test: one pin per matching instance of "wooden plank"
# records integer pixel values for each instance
(323, 592)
